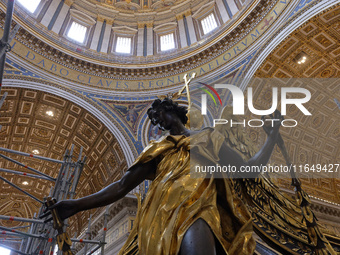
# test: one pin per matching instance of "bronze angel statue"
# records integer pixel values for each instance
(203, 215)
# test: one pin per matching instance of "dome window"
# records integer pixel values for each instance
(167, 42)
(77, 32)
(209, 23)
(30, 5)
(123, 45)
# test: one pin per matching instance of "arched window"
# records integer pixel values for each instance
(78, 26)
(209, 23)
(30, 5)
(167, 42)
(124, 40)
(77, 32)
(166, 37)
(123, 45)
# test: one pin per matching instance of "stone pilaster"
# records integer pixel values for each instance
(96, 34)
(62, 16)
(192, 31)
(223, 11)
(140, 40)
(182, 33)
(233, 7)
(107, 34)
(49, 13)
(150, 39)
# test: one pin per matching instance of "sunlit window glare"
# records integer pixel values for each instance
(167, 42)
(50, 113)
(302, 60)
(77, 32)
(209, 23)
(4, 251)
(30, 5)
(123, 45)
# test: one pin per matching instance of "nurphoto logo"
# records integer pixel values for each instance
(239, 104)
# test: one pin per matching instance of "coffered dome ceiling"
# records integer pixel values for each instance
(27, 127)
(316, 139)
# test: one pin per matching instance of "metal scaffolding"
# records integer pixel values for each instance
(40, 238)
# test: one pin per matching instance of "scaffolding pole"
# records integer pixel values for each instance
(64, 187)
(2, 100)
(88, 233)
(12, 240)
(4, 42)
(25, 166)
(96, 248)
(73, 245)
(106, 215)
(31, 155)
(85, 241)
(76, 173)
(29, 241)
(60, 175)
(12, 218)
(25, 226)
(9, 231)
(63, 193)
(24, 174)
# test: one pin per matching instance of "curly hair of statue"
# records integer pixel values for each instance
(168, 105)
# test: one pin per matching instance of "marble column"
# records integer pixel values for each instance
(182, 33)
(192, 31)
(150, 39)
(107, 34)
(96, 33)
(223, 11)
(50, 12)
(140, 40)
(61, 17)
(232, 6)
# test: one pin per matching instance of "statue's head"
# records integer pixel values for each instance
(166, 112)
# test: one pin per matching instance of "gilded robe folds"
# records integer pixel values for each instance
(175, 200)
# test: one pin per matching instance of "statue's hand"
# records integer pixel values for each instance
(65, 209)
(272, 123)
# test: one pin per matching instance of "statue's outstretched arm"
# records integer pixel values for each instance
(113, 192)
(229, 156)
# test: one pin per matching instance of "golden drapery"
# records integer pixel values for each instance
(175, 200)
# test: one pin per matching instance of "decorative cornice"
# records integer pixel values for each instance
(82, 17)
(203, 10)
(140, 25)
(109, 21)
(125, 29)
(149, 24)
(100, 18)
(179, 16)
(185, 13)
(165, 27)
